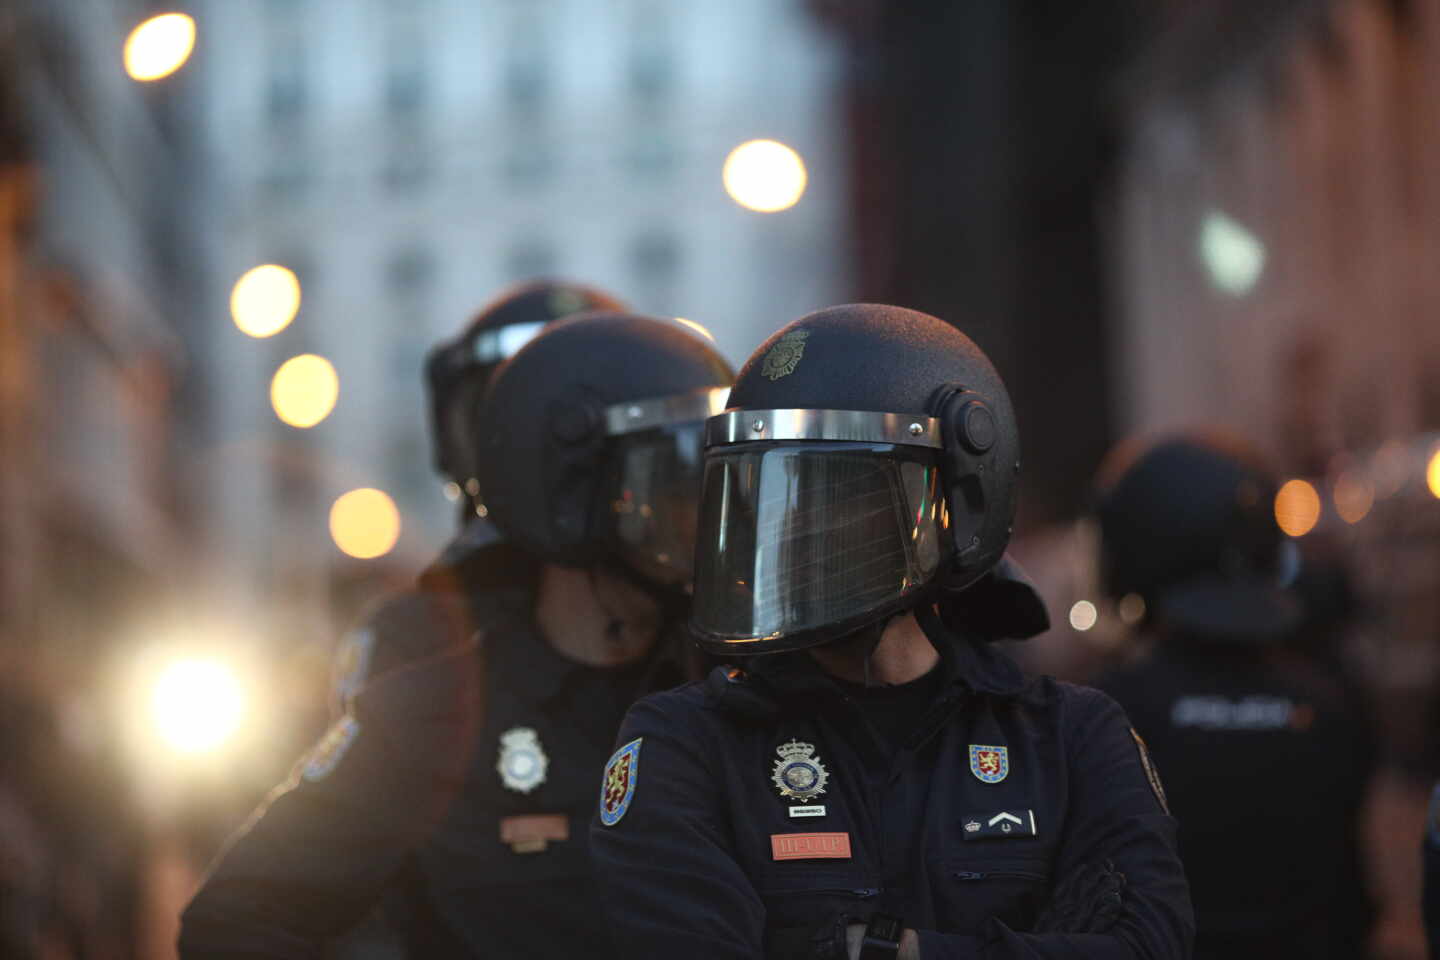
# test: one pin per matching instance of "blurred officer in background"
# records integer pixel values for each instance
(463, 774)
(1432, 873)
(878, 780)
(1266, 749)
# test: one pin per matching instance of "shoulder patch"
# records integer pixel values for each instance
(352, 662)
(325, 757)
(617, 786)
(1150, 772)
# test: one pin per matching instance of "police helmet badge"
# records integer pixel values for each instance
(799, 774)
(617, 786)
(332, 746)
(782, 359)
(522, 762)
(989, 764)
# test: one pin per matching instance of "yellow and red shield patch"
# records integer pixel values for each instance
(617, 787)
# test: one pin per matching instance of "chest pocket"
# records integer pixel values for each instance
(798, 896)
(974, 884)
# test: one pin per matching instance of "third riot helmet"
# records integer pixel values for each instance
(867, 463)
(456, 371)
(590, 442)
(1187, 525)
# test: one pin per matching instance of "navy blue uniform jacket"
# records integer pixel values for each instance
(403, 799)
(690, 868)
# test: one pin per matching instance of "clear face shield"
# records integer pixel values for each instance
(652, 486)
(813, 524)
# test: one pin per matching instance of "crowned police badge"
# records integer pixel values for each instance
(990, 764)
(522, 762)
(617, 786)
(799, 774)
(782, 359)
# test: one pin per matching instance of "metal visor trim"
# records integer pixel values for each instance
(622, 418)
(858, 426)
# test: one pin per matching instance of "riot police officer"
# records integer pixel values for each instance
(464, 777)
(876, 779)
(1265, 745)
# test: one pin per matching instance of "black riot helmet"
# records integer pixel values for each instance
(868, 463)
(456, 371)
(1187, 525)
(590, 442)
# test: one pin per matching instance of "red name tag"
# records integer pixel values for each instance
(810, 846)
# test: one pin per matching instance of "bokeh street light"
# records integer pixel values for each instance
(365, 523)
(197, 704)
(1432, 474)
(764, 175)
(1084, 615)
(304, 390)
(1234, 256)
(159, 46)
(1297, 507)
(264, 300)
(1354, 495)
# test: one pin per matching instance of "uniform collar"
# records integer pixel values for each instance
(795, 682)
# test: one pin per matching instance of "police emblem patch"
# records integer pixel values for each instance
(799, 774)
(989, 764)
(782, 359)
(1151, 774)
(522, 762)
(352, 662)
(327, 753)
(617, 786)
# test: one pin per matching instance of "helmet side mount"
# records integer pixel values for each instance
(977, 489)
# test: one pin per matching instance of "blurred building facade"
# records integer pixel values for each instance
(1279, 222)
(410, 159)
(93, 519)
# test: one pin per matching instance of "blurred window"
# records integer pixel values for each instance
(408, 166)
(534, 257)
(649, 153)
(410, 271)
(655, 256)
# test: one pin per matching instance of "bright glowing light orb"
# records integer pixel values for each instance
(264, 300)
(304, 390)
(365, 523)
(1432, 474)
(1297, 507)
(1083, 615)
(764, 175)
(1234, 256)
(197, 704)
(159, 46)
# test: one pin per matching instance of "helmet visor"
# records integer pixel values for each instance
(800, 542)
(653, 497)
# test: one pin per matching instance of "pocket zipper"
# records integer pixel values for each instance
(863, 893)
(998, 875)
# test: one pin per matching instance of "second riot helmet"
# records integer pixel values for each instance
(590, 442)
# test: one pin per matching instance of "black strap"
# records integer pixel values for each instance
(882, 938)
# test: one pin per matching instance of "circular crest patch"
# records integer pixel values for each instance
(522, 762)
(799, 774)
(782, 359)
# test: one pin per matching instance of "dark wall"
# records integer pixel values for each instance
(981, 142)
